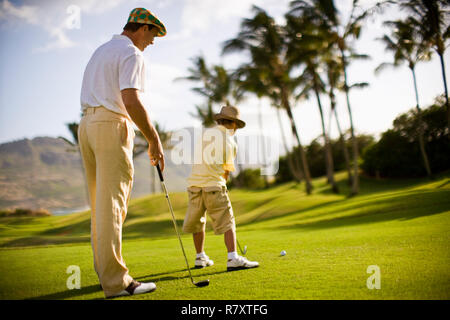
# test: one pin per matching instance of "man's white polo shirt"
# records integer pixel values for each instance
(116, 65)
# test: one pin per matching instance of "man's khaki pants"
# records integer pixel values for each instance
(106, 145)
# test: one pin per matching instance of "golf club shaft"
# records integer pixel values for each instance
(242, 252)
(173, 219)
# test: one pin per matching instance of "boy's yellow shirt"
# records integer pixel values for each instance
(212, 157)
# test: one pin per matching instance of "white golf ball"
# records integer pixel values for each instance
(283, 253)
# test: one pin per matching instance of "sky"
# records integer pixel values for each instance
(45, 49)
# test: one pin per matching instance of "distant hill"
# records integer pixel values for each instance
(47, 173)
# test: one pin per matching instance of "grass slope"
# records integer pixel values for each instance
(402, 226)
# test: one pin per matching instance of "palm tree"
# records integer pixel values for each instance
(306, 49)
(296, 171)
(405, 47)
(205, 114)
(248, 79)
(324, 13)
(218, 86)
(334, 77)
(291, 156)
(264, 40)
(432, 20)
(225, 89)
(200, 73)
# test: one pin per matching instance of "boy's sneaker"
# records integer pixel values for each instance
(203, 261)
(240, 263)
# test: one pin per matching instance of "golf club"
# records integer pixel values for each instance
(245, 248)
(203, 283)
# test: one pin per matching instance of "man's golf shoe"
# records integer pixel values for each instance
(240, 263)
(203, 261)
(136, 287)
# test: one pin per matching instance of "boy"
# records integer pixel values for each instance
(208, 192)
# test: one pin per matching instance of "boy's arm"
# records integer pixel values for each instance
(230, 155)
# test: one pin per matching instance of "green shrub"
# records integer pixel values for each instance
(397, 153)
(248, 178)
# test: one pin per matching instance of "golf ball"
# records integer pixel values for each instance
(283, 253)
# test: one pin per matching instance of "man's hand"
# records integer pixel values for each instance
(139, 115)
(156, 154)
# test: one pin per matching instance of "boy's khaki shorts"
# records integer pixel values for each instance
(213, 200)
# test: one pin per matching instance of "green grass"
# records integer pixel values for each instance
(402, 226)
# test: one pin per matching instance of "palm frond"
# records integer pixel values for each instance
(382, 67)
(359, 85)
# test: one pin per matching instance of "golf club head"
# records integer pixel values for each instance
(203, 283)
(245, 250)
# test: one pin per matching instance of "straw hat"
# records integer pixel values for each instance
(144, 16)
(230, 113)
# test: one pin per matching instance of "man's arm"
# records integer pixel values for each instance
(140, 117)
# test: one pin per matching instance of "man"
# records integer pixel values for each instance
(207, 189)
(110, 102)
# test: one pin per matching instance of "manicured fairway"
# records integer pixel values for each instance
(403, 227)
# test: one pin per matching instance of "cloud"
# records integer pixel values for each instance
(27, 13)
(197, 16)
(54, 16)
(200, 15)
(50, 18)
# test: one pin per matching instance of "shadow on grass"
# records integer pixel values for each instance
(151, 228)
(43, 241)
(371, 185)
(261, 217)
(444, 184)
(64, 235)
(75, 229)
(402, 207)
(157, 277)
(374, 192)
(69, 294)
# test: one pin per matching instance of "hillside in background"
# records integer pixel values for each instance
(47, 173)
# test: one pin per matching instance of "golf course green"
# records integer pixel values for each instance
(331, 240)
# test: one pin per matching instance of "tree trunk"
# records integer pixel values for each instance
(263, 144)
(421, 128)
(287, 107)
(355, 184)
(441, 56)
(344, 148)
(327, 148)
(290, 157)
